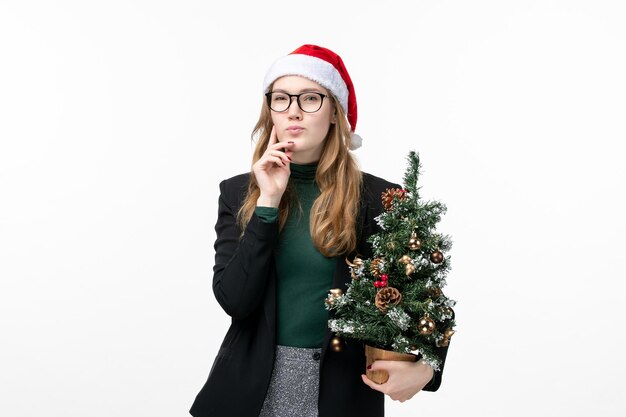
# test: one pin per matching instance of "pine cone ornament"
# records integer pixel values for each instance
(387, 297)
(375, 267)
(389, 194)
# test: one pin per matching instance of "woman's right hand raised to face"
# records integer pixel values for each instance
(272, 171)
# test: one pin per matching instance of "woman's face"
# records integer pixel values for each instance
(307, 130)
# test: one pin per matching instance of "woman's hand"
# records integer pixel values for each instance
(405, 378)
(272, 171)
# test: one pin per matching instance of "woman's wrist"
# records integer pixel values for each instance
(432, 375)
(265, 201)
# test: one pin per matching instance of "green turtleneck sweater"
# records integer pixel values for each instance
(304, 274)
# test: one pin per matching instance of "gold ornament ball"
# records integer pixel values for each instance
(405, 259)
(436, 257)
(336, 292)
(414, 244)
(409, 269)
(426, 325)
(336, 344)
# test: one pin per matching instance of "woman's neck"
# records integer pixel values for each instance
(305, 157)
(303, 171)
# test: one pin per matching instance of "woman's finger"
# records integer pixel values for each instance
(380, 364)
(273, 138)
(373, 385)
(272, 159)
(282, 146)
(273, 156)
(279, 154)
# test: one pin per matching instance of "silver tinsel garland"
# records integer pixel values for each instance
(399, 318)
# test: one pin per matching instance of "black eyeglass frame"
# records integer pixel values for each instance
(268, 97)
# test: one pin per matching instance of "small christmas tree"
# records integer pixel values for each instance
(395, 299)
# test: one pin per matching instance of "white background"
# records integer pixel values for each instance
(118, 119)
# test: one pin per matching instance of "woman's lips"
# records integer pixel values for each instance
(295, 130)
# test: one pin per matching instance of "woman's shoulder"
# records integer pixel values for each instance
(236, 180)
(234, 189)
(376, 185)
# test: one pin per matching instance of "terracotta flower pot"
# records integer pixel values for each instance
(373, 353)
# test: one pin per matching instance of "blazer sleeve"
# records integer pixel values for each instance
(242, 262)
(435, 382)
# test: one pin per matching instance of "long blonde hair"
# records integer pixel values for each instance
(335, 211)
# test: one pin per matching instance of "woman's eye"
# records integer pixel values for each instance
(311, 97)
(280, 98)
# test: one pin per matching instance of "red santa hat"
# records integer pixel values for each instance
(325, 68)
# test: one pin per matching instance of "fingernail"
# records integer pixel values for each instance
(288, 157)
(290, 141)
(369, 366)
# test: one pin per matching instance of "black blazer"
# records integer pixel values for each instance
(244, 284)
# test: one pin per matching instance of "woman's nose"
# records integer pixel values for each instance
(294, 110)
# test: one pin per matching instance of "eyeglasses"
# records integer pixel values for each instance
(308, 102)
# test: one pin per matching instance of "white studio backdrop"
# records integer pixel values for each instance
(118, 119)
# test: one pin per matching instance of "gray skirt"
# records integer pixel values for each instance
(294, 387)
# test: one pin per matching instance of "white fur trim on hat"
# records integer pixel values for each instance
(355, 141)
(315, 69)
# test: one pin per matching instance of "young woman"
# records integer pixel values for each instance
(283, 233)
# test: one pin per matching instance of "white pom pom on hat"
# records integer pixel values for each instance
(325, 68)
(355, 141)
